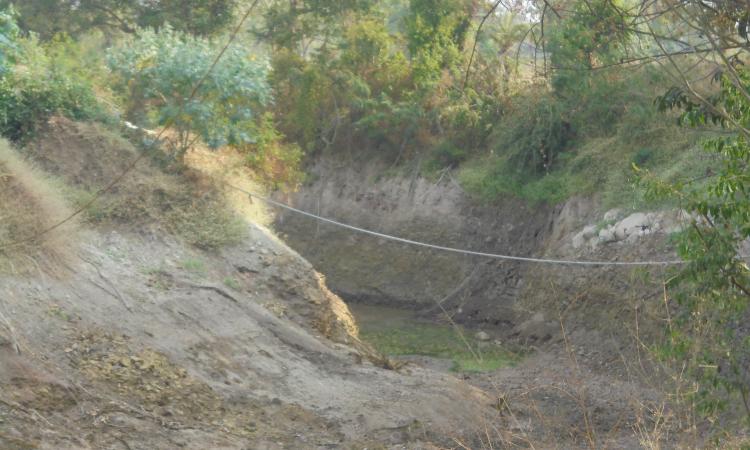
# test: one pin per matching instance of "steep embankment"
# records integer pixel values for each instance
(366, 269)
(519, 300)
(136, 340)
(140, 341)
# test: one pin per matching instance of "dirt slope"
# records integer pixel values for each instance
(138, 340)
(140, 346)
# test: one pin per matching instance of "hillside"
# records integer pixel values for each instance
(136, 340)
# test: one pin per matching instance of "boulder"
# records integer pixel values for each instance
(482, 336)
(589, 232)
(578, 240)
(612, 215)
(607, 235)
(635, 223)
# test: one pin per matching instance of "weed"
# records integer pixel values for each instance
(194, 266)
(231, 282)
(56, 311)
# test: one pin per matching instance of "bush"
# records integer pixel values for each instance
(29, 100)
(276, 162)
(38, 85)
(446, 154)
(534, 134)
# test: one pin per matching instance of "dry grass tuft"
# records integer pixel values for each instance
(87, 156)
(29, 204)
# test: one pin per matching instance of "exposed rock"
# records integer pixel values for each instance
(536, 329)
(636, 223)
(571, 215)
(579, 240)
(612, 215)
(482, 336)
(589, 232)
(607, 235)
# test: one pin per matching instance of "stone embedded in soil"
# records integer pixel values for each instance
(482, 336)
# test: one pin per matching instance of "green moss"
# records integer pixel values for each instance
(438, 341)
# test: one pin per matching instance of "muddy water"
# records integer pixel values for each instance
(401, 334)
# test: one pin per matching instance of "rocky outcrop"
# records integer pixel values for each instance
(613, 228)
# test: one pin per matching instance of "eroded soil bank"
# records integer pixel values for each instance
(142, 344)
(508, 299)
(582, 377)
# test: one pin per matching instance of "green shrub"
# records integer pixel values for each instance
(447, 154)
(37, 85)
(642, 156)
(29, 100)
(533, 134)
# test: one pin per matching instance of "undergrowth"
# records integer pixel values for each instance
(29, 205)
(601, 166)
(86, 156)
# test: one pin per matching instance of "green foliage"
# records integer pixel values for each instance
(160, 70)
(607, 127)
(710, 334)
(289, 24)
(447, 155)
(35, 84)
(591, 34)
(436, 31)
(535, 132)
(384, 82)
(274, 160)
(8, 40)
(642, 157)
(47, 18)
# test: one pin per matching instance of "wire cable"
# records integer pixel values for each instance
(445, 248)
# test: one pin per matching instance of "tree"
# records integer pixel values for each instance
(8, 40)
(436, 31)
(710, 334)
(304, 25)
(592, 33)
(159, 71)
(49, 17)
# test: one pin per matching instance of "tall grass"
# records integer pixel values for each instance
(29, 204)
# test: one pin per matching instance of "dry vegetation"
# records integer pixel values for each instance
(88, 156)
(29, 205)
